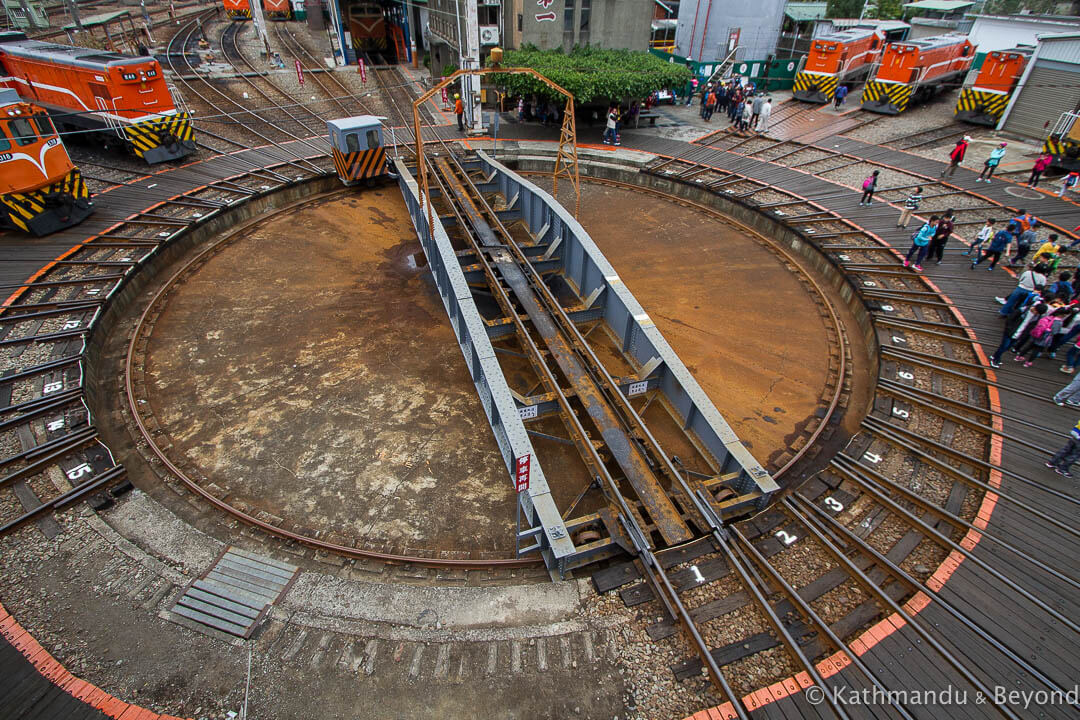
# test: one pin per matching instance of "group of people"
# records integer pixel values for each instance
(1041, 315)
(993, 161)
(746, 108)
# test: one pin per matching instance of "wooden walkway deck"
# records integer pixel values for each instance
(901, 659)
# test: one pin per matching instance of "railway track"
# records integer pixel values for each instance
(56, 457)
(885, 512)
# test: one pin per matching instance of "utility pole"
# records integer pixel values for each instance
(73, 8)
(471, 59)
(260, 25)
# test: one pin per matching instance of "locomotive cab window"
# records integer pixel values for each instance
(44, 125)
(352, 143)
(372, 139)
(23, 131)
(5, 144)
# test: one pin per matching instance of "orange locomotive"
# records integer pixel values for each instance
(124, 97)
(835, 58)
(367, 25)
(241, 10)
(237, 9)
(983, 102)
(41, 191)
(913, 70)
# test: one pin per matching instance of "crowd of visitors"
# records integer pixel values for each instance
(745, 107)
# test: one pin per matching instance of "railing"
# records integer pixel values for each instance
(725, 64)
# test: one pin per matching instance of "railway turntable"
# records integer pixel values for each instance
(304, 417)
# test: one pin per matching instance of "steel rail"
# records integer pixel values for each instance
(900, 575)
(186, 33)
(654, 571)
(843, 349)
(813, 523)
(872, 480)
(808, 611)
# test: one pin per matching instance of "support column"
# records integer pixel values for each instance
(470, 50)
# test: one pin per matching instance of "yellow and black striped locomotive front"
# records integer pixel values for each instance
(1065, 150)
(814, 87)
(47, 209)
(981, 107)
(238, 13)
(165, 138)
(362, 165)
(886, 98)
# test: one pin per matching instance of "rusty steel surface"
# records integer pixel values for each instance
(626, 453)
(264, 423)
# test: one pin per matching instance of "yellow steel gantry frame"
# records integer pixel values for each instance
(566, 160)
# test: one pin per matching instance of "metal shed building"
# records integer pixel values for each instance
(1049, 87)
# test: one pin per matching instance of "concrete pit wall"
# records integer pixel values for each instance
(628, 171)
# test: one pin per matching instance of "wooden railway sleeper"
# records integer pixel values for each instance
(892, 433)
(900, 575)
(735, 560)
(808, 611)
(872, 480)
(821, 532)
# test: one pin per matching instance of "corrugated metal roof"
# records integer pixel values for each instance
(1062, 47)
(883, 25)
(805, 11)
(939, 5)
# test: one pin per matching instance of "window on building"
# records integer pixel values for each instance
(520, 22)
(583, 22)
(568, 17)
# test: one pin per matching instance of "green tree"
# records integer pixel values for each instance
(843, 8)
(591, 74)
(889, 9)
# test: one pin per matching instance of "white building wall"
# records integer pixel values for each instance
(1001, 33)
(705, 26)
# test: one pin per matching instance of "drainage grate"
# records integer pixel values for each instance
(234, 593)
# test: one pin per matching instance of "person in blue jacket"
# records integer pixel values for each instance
(1063, 459)
(920, 242)
(998, 244)
(991, 163)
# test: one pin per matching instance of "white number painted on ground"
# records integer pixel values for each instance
(78, 471)
(869, 283)
(905, 375)
(844, 258)
(899, 340)
(887, 308)
(834, 504)
(904, 414)
(698, 577)
(72, 324)
(93, 291)
(55, 425)
(872, 457)
(786, 537)
(53, 387)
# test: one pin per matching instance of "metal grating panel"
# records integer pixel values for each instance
(234, 593)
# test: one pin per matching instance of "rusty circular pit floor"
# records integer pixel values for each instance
(308, 369)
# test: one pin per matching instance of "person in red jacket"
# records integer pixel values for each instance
(1041, 163)
(956, 156)
(459, 110)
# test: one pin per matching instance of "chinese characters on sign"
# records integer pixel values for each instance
(521, 475)
(546, 16)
